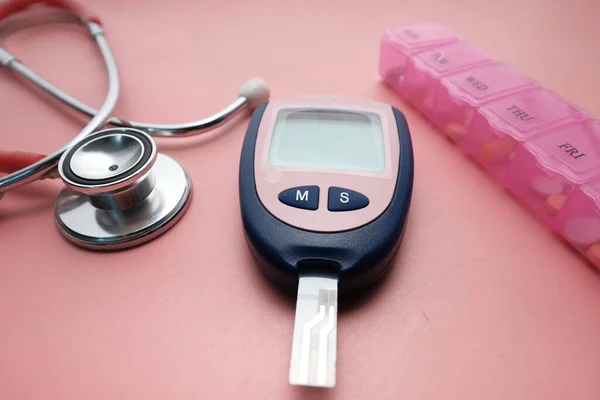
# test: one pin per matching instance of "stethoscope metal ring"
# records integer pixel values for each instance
(120, 192)
(107, 160)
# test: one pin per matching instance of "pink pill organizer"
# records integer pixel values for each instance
(537, 145)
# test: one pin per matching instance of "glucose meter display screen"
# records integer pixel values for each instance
(328, 139)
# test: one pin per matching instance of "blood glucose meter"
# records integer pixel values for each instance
(326, 182)
(325, 188)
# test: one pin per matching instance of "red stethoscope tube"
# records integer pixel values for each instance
(12, 161)
(12, 7)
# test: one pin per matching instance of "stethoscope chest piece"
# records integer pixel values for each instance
(120, 192)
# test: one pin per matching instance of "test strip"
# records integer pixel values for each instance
(315, 333)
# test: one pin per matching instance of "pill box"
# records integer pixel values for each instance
(536, 144)
(578, 222)
(397, 45)
(545, 169)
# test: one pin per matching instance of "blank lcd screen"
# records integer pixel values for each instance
(328, 139)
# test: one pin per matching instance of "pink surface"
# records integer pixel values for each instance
(378, 186)
(483, 303)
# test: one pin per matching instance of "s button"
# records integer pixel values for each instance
(341, 199)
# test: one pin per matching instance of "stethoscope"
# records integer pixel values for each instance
(120, 192)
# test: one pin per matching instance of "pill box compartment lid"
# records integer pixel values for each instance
(526, 114)
(486, 83)
(420, 36)
(572, 151)
(452, 58)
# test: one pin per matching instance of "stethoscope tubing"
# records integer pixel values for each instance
(162, 130)
(47, 165)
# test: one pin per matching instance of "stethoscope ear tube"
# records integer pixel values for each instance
(253, 93)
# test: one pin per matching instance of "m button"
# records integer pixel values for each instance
(305, 197)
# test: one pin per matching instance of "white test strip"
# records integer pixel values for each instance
(315, 333)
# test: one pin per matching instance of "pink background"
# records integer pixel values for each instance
(483, 303)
